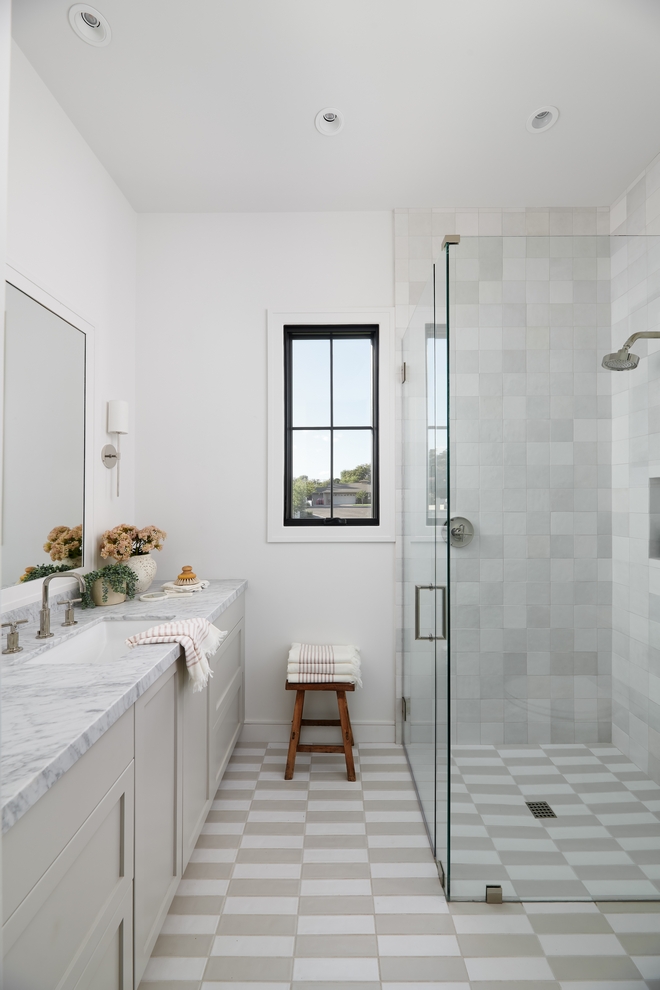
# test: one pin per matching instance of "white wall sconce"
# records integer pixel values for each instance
(117, 424)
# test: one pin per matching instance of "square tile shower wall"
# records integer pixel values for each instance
(635, 460)
(531, 454)
(531, 433)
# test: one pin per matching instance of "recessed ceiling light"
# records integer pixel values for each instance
(90, 25)
(542, 119)
(329, 121)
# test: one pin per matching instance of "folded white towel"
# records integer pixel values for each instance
(328, 668)
(315, 663)
(306, 652)
(308, 678)
(198, 638)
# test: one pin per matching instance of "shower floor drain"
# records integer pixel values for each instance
(540, 809)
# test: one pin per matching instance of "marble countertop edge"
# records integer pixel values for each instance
(39, 774)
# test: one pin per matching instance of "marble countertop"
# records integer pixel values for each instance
(53, 712)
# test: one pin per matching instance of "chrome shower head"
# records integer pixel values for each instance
(621, 360)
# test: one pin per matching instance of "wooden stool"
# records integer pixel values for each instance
(344, 721)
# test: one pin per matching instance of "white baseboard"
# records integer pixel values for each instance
(364, 732)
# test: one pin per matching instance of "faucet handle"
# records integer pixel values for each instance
(68, 604)
(12, 636)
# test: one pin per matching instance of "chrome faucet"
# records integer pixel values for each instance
(44, 612)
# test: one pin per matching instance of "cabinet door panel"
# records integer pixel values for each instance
(225, 732)
(196, 799)
(157, 811)
(111, 967)
(33, 844)
(50, 938)
(224, 665)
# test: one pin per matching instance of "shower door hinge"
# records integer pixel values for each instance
(405, 708)
(403, 372)
(441, 873)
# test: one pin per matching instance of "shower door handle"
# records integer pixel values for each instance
(443, 624)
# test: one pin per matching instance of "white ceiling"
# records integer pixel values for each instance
(209, 105)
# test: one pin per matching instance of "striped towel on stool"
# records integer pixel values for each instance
(198, 638)
(317, 664)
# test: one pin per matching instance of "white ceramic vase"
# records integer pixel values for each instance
(145, 567)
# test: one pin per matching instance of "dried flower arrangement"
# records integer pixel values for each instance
(62, 542)
(126, 541)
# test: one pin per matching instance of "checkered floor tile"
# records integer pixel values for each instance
(317, 883)
(604, 842)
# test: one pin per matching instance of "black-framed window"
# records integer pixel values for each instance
(331, 425)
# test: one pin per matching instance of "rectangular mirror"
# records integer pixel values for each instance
(44, 439)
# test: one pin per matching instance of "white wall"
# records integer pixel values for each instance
(205, 282)
(73, 233)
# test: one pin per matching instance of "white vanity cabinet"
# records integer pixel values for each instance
(183, 741)
(90, 870)
(67, 876)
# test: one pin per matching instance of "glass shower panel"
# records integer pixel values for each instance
(424, 428)
(438, 357)
(419, 676)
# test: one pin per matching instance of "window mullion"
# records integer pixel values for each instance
(332, 435)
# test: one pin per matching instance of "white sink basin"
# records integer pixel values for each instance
(102, 643)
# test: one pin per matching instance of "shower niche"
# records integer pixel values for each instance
(654, 518)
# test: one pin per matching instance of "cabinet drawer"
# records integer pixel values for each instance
(52, 936)
(31, 845)
(228, 619)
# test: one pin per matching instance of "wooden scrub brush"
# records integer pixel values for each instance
(186, 576)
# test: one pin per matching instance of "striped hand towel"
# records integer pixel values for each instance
(314, 664)
(310, 652)
(198, 639)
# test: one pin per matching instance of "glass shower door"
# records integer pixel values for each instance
(424, 428)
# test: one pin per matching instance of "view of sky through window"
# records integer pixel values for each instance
(352, 405)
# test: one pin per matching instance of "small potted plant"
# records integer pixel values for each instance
(109, 585)
(42, 570)
(131, 546)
